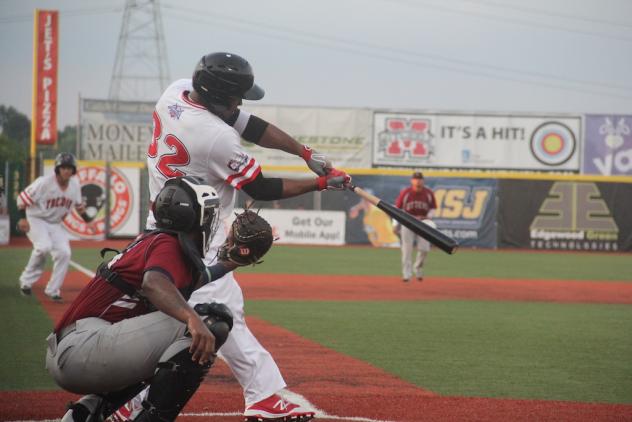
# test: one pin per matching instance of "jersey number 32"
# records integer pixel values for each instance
(175, 156)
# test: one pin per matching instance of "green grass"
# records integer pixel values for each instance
(495, 349)
(465, 263)
(25, 326)
(371, 261)
(485, 349)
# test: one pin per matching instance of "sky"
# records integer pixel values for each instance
(475, 56)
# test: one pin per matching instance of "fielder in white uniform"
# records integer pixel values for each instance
(44, 204)
(197, 128)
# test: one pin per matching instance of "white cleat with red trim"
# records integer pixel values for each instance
(276, 408)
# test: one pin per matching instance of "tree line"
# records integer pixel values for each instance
(15, 138)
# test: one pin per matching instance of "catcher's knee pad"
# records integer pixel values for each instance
(171, 387)
(218, 318)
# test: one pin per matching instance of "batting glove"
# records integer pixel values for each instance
(316, 161)
(336, 180)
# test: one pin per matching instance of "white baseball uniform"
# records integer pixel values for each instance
(46, 206)
(189, 140)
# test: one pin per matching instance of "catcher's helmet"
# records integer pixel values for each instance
(187, 205)
(219, 76)
(65, 159)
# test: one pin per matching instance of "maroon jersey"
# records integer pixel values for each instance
(416, 203)
(159, 252)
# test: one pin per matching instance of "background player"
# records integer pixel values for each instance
(420, 202)
(197, 128)
(43, 205)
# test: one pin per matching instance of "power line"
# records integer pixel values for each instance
(64, 13)
(506, 19)
(545, 12)
(321, 40)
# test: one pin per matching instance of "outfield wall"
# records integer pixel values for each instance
(487, 210)
(480, 210)
(541, 181)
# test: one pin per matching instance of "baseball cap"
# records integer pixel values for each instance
(418, 175)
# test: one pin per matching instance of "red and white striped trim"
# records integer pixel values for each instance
(247, 175)
(26, 198)
(185, 98)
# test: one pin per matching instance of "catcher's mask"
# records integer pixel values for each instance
(220, 76)
(65, 159)
(187, 205)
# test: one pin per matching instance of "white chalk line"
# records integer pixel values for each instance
(82, 269)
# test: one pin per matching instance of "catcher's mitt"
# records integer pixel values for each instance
(250, 238)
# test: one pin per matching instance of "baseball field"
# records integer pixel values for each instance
(487, 336)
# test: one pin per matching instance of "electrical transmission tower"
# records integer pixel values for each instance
(140, 70)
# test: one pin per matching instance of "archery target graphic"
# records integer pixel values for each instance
(552, 143)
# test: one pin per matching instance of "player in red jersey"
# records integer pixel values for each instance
(131, 325)
(419, 201)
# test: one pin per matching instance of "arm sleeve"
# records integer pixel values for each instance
(30, 194)
(264, 189)
(229, 161)
(249, 127)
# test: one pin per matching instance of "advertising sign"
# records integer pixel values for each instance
(303, 227)
(466, 209)
(565, 215)
(608, 145)
(46, 45)
(115, 130)
(476, 141)
(124, 201)
(342, 134)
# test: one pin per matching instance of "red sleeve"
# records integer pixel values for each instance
(165, 255)
(433, 203)
(399, 202)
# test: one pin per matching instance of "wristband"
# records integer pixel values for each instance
(306, 154)
(22, 212)
(217, 271)
(322, 182)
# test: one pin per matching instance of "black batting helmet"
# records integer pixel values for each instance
(65, 159)
(219, 76)
(186, 205)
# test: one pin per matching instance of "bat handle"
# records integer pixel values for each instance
(364, 194)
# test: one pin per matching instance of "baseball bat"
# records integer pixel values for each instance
(432, 235)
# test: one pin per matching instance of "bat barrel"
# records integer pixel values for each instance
(434, 236)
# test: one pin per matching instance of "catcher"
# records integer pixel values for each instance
(131, 326)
